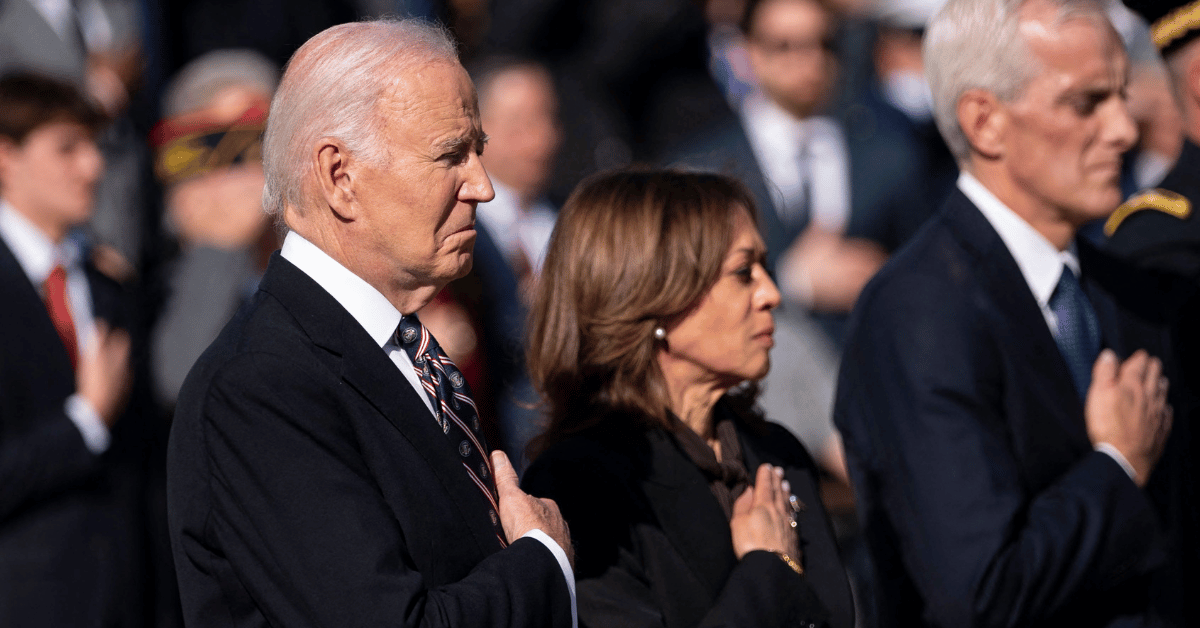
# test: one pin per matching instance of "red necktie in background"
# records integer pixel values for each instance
(60, 311)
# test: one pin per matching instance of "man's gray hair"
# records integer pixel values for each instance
(332, 87)
(977, 44)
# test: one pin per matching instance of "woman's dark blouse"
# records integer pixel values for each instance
(653, 547)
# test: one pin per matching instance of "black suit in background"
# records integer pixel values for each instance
(1158, 241)
(980, 495)
(309, 485)
(632, 76)
(887, 200)
(883, 192)
(1161, 242)
(70, 532)
(653, 547)
(501, 315)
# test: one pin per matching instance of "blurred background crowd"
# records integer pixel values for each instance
(819, 106)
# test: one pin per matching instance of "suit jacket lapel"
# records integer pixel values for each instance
(1045, 371)
(368, 370)
(689, 513)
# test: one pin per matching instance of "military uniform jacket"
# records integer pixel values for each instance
(1160, 228)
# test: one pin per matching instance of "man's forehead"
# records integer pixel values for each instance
(514, 81)
(432, 85)
(1069, 43)
(789, 17)
(64, 126)
(1044, 24)
(434, 100)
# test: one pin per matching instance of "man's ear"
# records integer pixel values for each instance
(983, 119)
(336, 177)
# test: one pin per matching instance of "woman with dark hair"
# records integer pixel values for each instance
(650, 326)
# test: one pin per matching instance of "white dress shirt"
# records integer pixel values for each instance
(514, 229)
(37, 256)
(796, 154)
(89, 16)
(1041, 263)
(380, 318)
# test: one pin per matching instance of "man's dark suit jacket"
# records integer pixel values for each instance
(653, 547)
(981, 498)
(308, 485)
(69, 545)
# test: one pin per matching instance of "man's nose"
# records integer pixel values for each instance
(1121, 129)
(478, 186)
(92, 160)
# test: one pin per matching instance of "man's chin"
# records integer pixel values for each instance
(75, 216)
(465, 266)
(1095, 206)
(457, 266)
(452, 262)
(1105, 204)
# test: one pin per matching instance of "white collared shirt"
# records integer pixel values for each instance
(38, 255)
(515, 229)
(789, 150)
(380, 318)
(89, 16)
(1041, 263)
(365, 304)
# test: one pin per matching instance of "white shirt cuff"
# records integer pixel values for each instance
(565, 564)
(1113, 453)
(87, 421)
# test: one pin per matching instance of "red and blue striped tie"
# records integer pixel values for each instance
(453, 408)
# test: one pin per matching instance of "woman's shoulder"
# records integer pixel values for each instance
(780, 438)
(595, 475)
(769, 439)
(612, 447)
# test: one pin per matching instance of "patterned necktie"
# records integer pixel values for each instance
(55, 290)
(453, 408)
(1078, 329)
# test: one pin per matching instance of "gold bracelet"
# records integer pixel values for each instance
(790, 563)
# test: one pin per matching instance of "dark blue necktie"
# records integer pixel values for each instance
(453, 408)
(1078, 329)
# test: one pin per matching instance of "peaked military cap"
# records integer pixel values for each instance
(1172, 23)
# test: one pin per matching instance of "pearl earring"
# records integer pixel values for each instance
(660, 333)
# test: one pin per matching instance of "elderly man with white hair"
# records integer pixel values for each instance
(326, 466)
(1000, 405)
